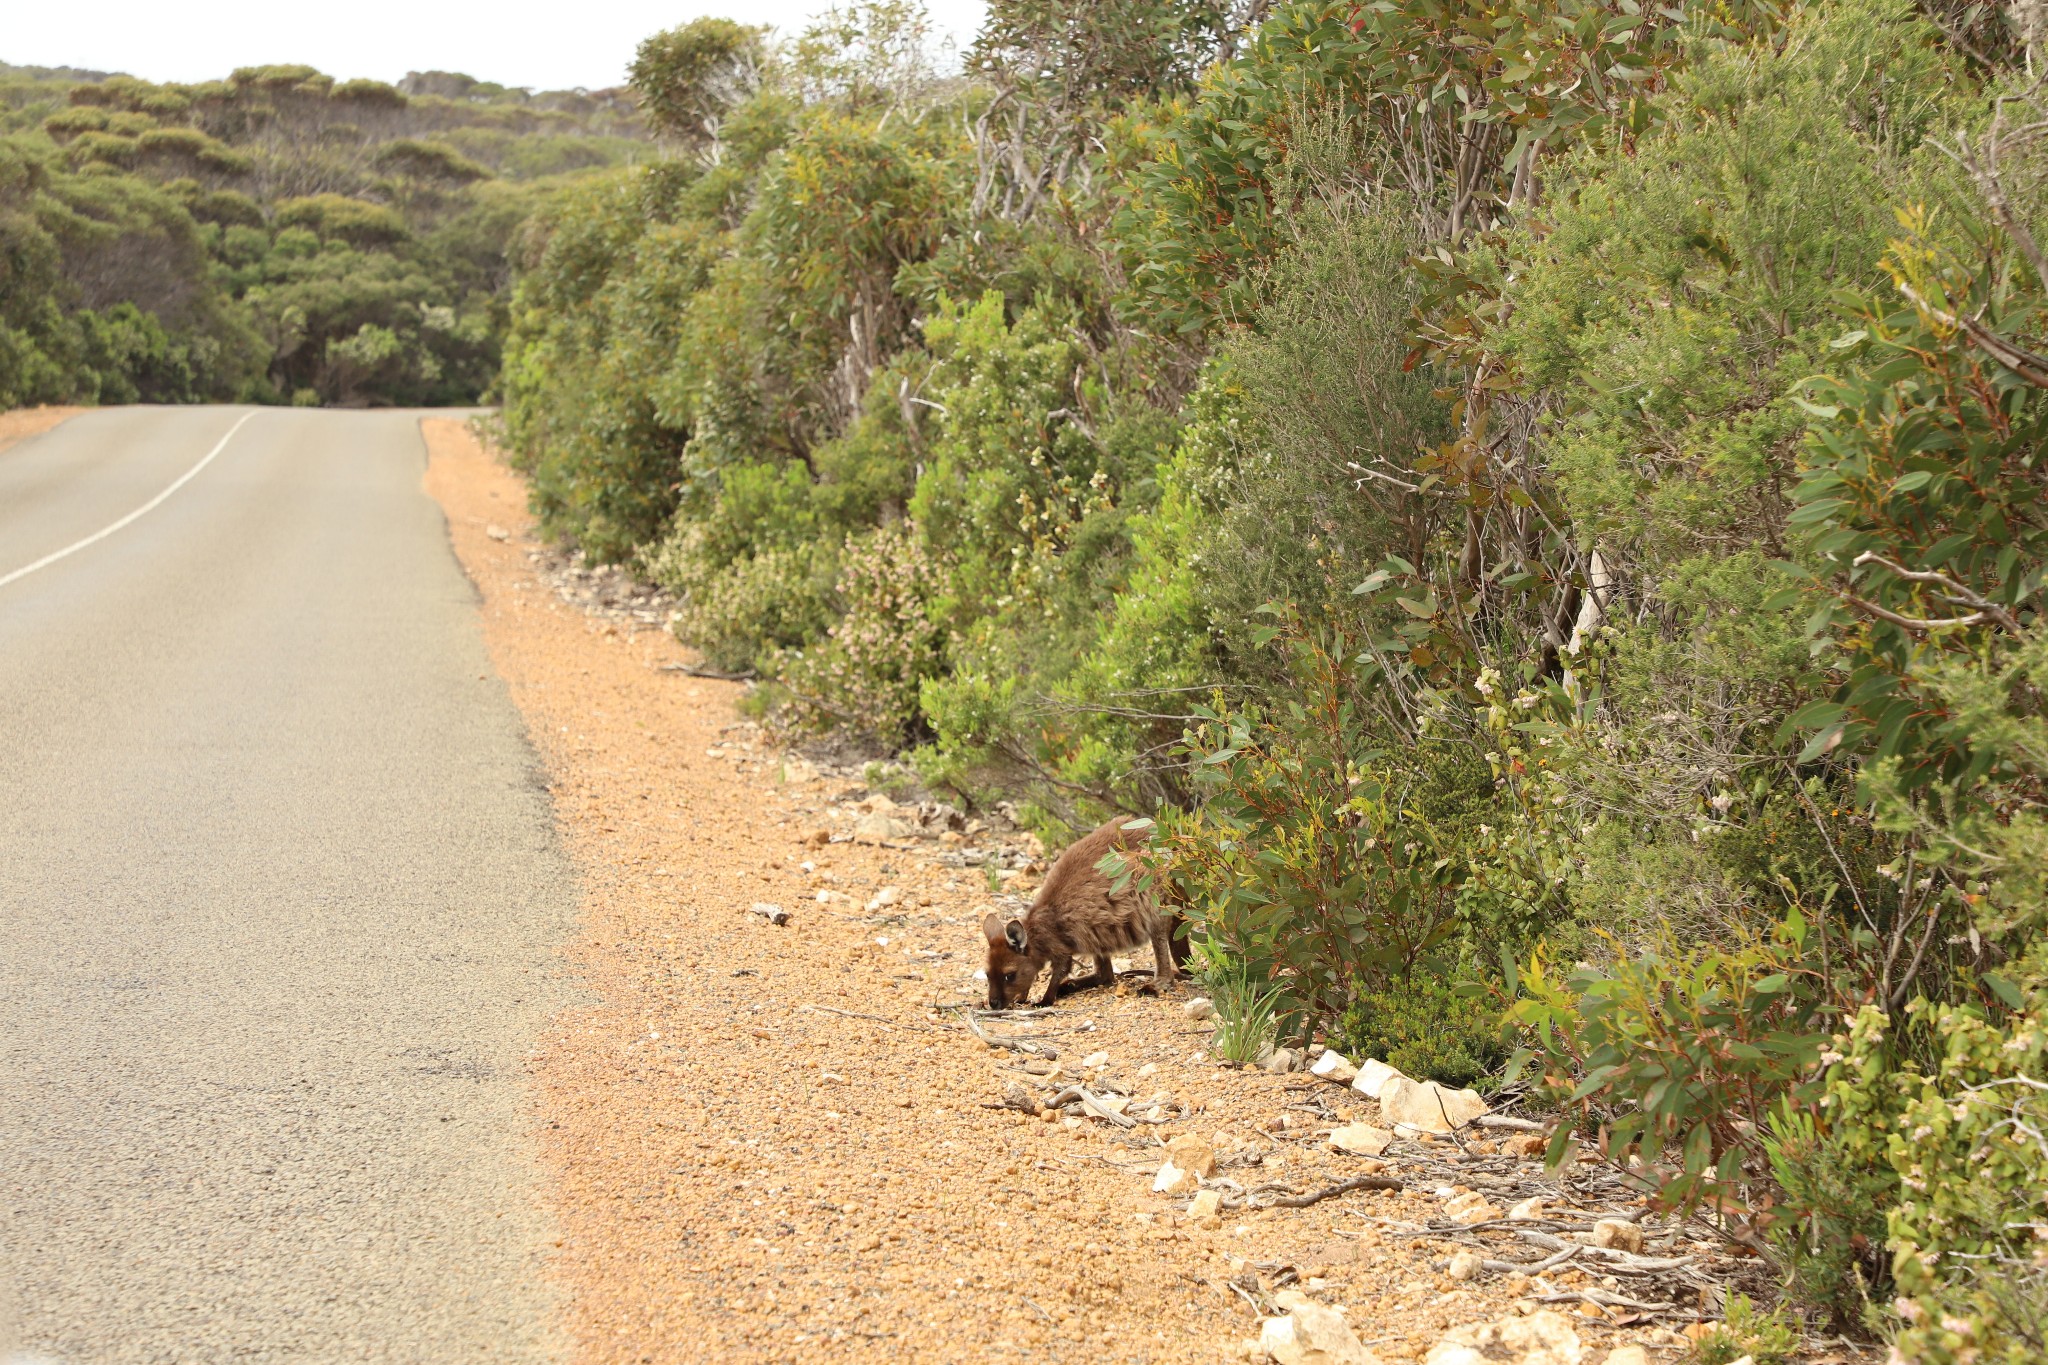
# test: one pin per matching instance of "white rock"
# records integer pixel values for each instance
(1311, 1334)
(1094, 1059)
(496, 532)
(1618, 1234)
(1428, 1107)
(1467, 1264)
(1528, 1208)
(1206, 1204)
(1361, 1139)
(1172, 1179)
(1542, 1338)
(874, 829)
(774, 914)
(1334, 1066)
(1628, 1355)
(1281, 1059)
(1199, 1008)
(1373, 1074)
(1471, 1207)
(887, 896)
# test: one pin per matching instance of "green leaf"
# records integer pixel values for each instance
(2005, 990)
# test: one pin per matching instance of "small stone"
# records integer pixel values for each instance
(497, 532)
(1618, 1234)
(1199, 1008)
(1172, 1179)
(1527, 1146)
(1471, 1207)
(1542, 1338)
(1361, 1139)
(1467, 1264)
(1282, 1059)
(1094, 1060)
(774, 914)
(1195, 1155)
(1427, 1106)
(1628, 1355)
(1206, 1204)
(1528, 1208)
(875, 829)
(884, 898)
(1373, 1075)
(1334, 1066)
(1311, 1334)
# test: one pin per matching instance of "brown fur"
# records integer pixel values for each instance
(1079, 912)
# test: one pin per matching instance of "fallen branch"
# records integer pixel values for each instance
(850, 1014)
(1029, 1046)
(1503, 1121)
(699, 671)
(1533, 1267)
(769, 911)
(1600, 1298)
(1302, 1201)
(1093, 1104)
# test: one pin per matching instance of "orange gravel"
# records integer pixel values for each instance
(22, 423)
(740, 1170)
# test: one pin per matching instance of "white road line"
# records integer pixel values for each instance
(47, 560)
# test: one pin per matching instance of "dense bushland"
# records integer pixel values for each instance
(278, 236)
(1541, 502)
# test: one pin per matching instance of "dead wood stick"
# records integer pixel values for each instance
(1615, 1257)
(769, 911)
(1356, 1182)
(1503, 1121)
(1600, 1298)
(1092, 1104)
(1533, 1267)
(850, 1014)
(699, 671)
(1026, 1045)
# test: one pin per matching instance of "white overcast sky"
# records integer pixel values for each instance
(552, 46)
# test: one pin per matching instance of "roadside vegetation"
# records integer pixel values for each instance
(277, 236)
(1541, 502)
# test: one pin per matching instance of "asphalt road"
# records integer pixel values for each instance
(279, 898)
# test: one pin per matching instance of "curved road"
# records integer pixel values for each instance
(279, 897)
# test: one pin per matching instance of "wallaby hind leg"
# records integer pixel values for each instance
(1060, 967)
(1105, 972)
(1164, 967)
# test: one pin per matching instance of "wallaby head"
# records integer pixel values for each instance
(1011, 967)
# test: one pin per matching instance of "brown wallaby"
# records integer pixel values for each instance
(1080, 912)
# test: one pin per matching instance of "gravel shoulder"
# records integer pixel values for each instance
(20, 424)
(769, 1141)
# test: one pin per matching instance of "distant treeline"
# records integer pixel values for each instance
(278, 236)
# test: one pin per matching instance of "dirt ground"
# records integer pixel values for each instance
(22, 423)
(774, 1143)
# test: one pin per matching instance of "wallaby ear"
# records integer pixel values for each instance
(1013, 934)
(992, 927)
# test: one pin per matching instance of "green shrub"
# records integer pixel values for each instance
(1429, 1026)
(1247, 1006)
(1766, 1338)
(868, 671)
(1680, 1053)
(739, 614)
